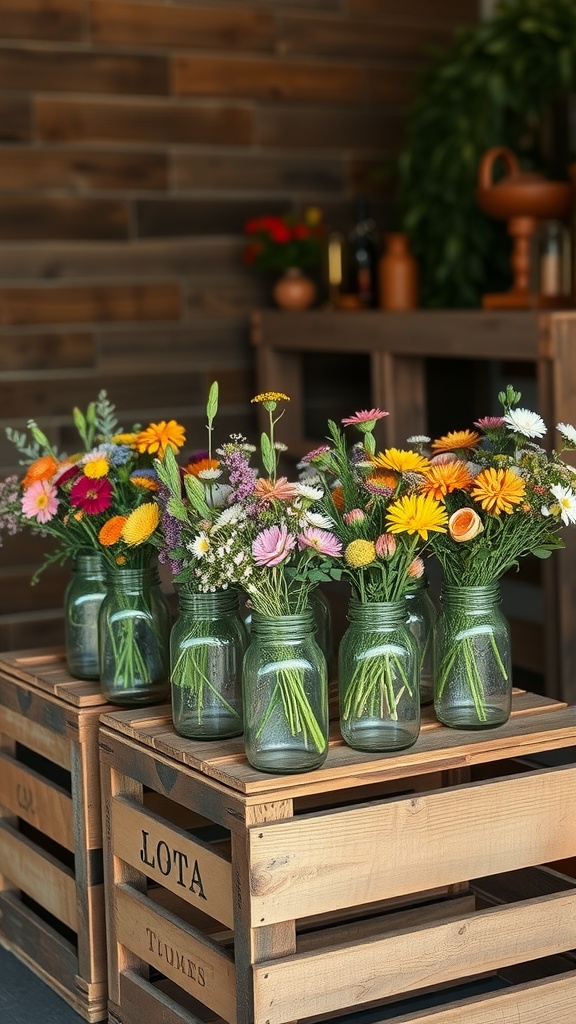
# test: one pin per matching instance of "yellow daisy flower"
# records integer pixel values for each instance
(140, 524)
(400, 461)
(97, 468)
(498, 490)
(158, 437)
(417, 513)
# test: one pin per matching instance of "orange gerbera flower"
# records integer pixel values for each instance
(455, 439)
(498, 490)
(42, 469)
(382, 480)
(338, 498)
(111, 532)
(445, 477)
(282, 490)
(158, 437)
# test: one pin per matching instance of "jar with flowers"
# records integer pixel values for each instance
(288, 247)
(505, 498)
(271, 544)
(208, 639)
(383, 523)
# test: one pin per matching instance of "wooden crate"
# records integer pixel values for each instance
(51, 876)
(241, 897)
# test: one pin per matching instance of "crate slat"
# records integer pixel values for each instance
(41, 803)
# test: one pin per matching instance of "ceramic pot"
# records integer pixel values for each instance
(294, 290)
(397, 275)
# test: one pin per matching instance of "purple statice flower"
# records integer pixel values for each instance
(172, 530)
(117, 454)
(10, 522)
(241, 476)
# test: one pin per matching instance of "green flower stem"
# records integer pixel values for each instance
(373, 687)
(190, 673)
(462, 649)
(289, 689)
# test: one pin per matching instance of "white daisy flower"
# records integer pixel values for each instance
(567, 431)
(309, 492)
(200, 545)
(209, 474)
(318, 519)
(418, 439)
(526, 422)
(566, 499)
(229, 516)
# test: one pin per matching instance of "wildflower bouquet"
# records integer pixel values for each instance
(383, 522)
(505, 498)
(278, 243)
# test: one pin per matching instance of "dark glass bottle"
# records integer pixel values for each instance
(362, 257)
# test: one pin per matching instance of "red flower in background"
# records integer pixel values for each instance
(277, 243)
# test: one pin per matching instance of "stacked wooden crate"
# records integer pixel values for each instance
(378, 881)
(51, 880)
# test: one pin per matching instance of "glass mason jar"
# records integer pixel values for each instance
(473, 684)
(134, 633)
(421, 618)
(207, 646)
(378, 663)
(82, 599)
(322, 620)
(285, 685)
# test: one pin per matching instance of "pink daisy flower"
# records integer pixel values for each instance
(40, 501)
(365, 420)
(273, 546)
(92, 496)
(489, 422)
(323, 541)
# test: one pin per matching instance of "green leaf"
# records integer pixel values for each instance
(268, 455)
(195, 495)
(212, 404)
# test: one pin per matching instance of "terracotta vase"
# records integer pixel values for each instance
(294, 290)
(397, 275)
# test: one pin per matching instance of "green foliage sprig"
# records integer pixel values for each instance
(496, 86)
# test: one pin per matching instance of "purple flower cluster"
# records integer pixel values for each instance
(241, 476)
(172, 530)
(9, 507)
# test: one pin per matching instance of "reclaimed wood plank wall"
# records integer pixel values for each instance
(135, 139)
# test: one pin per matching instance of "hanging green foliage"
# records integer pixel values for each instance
(498, 85)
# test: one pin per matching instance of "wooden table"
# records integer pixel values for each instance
(398, 345)
(266, 899)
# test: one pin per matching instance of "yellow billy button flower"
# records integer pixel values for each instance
(270, 399)
(417, 513)
(360, 553)
(140, 524)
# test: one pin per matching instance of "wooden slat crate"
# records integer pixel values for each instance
(235, 896)
(51, 877)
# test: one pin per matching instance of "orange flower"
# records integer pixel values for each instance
(498, 490)
(111, 532)
(464, 524)
(338, 498)
(195, 468)
(456, 439)
(158, 437)
(382, 480)
(282, 490)
(443, 478)
(42, 469)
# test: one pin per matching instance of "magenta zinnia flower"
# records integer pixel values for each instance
(40, 501)
(92, 496)
(324, 542)
(273, 545)
(365, 419)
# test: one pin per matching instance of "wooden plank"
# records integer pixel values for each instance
(46, 669)
(38, 874)
(38, 217)
(455, 12)
(174, 217)
(267, 80)
(17, 593)
(312, 128)
(76, 171)
(40, 946)
(15, 118)
(197, 874)
(345, 37)
(316, 983)
(159, 123)
(155, 24)
(142, 1001)
(324, 862)
(36, 800)
(65, 351)
(50, 20)
(41, 70)
(177, 951)
(44, 741)
(257, 172)
(151, 301)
